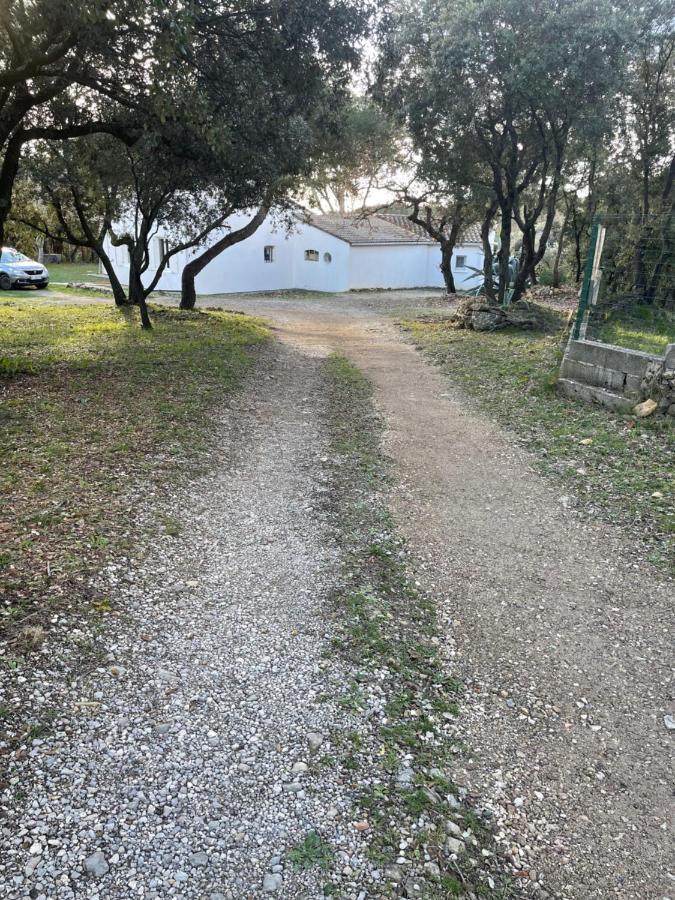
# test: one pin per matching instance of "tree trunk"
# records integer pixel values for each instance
(559, 250)
(118, 291)
(446, 266)
(504, 254)
(8, 172)
(485, 227)
(137, 293)
(188, 297)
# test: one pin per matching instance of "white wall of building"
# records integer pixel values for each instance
(339, 267)
(331, 271)
(410, 266)
(388, 266)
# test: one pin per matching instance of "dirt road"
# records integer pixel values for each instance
(564, 640)
(560, 632)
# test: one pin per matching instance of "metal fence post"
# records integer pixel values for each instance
(585, 291)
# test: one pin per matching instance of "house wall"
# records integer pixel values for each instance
(465, 279)
(409, 266)
(332, 276)
(241, 268)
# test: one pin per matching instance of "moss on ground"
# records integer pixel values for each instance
(618, 467)
(92, 410)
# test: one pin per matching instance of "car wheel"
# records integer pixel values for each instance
(41, 285)
(5, 282)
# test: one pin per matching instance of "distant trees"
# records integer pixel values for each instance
(497, 89)
(360, 148)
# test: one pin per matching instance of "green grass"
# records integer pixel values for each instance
(92, 409)
(618, 467)
(645, 328)
(311, 853)
(64, 272)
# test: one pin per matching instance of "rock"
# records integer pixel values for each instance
(216, 896)
(315, 740)
(669, 722)
(272, 883)
(414, 887)
(453, 828)
(405, 776)
(299, 768)
(486, 319)
(165, 676)
(293, 787)
(96, 864)
(199, 859)
(646, 408)
(432, 869)
(455, 846)
(393, 873)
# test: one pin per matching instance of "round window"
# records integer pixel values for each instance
(327, 258)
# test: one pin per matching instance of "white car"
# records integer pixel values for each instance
(19, 270)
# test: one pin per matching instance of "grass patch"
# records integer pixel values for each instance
(91, 408)
(388, 633)
(65, 272)
(637, 327)
(616, 467)
(311, 853)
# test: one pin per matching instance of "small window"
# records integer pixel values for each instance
(327, 258)
(311, 255)
(460, 262)
(268, 253)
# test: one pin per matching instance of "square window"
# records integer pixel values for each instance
(268, 254)
(460, 262)
(312, 255)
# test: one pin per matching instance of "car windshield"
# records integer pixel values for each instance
(13, 256)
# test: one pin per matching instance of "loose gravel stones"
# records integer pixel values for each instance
(272, 883)
(176, 768)
(96, 864)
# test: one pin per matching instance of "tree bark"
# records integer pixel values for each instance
(559, 250)
(188, 297)
(137, 292)
(485, 228)
(446, 266)
(119, 294)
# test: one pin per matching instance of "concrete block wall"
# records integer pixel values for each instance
(607, 366)
(614, 377)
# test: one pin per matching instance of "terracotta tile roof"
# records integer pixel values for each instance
(469, 235)
(371, 230)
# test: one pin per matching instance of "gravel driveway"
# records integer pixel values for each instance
(187, 762)
(561, 630)
(179, 769)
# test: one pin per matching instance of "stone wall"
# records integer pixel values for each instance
(618, 378)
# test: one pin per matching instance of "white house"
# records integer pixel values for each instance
(332, 253)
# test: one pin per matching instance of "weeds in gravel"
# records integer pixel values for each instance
(389, 635)
(616, 467)
(311, 853)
